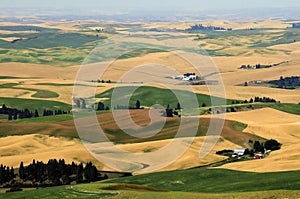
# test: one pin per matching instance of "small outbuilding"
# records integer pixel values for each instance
(258, 156)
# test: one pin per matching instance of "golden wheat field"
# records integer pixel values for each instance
(267, 122)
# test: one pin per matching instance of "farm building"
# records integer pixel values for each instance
(239, 152)
(186, 77)
(258, 156)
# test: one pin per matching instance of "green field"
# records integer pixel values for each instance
(257, 39)
(38, 94)
(26, 28)
(47, 46)
(52, 118)
(33, 104)
(286, 107)
(83, 191)
(238, 126)
(54, 84)
(45, 94)
(194, 183)
(149, 96)
(210, 180)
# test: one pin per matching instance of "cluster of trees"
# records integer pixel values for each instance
(53, 173)
(14, 113)
(6, 174)
(262, 147)
(256, 66)
(257, 147)
(262, 99)
(79, 102)
(169, 111)
(287, 82)
(137, 106)
(101, 107)
(47, 112)
(101, 81)
(202, 27)
(255, 99)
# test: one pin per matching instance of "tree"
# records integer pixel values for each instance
(36, 113)
(272, 145)
(100, 106)
(4, 107)
(21, 171)
(232, 109)
(83, 104)
(169, 111)
(246, 84)
(178, 106)
(79, 173)
(138, 104)
(256, 146)
(77, 102)
(10, 117)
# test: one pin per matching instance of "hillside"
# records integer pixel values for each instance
(65, 130)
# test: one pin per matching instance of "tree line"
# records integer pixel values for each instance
(262, 147)
(102, 81)
(287, 82)
(137, 106)
(202, 27)
(53, 173)
(14, 114)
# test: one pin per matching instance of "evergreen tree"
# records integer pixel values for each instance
(83, 103)
(79, 173)
(36, 113)
(10, 117)
(178, 106)
(21, 171)
(138, 104)
(100, 106)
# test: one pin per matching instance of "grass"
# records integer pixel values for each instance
(54, 118)
(54, 84)
(84, 191)
(286, 107)
(12, 77)
(33, 104)
(256, 40)
(8, 85)
(46, 40)
(216, 180)
(95, 190)
(48, 47)
(238, 126)
(149, 96)
(25, 28)
(288, 37)
(140, 52)
(38, 94)
(45, 94)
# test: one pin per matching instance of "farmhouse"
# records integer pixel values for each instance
(239, 152)
(187, 77)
